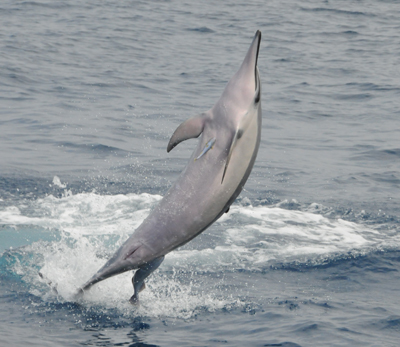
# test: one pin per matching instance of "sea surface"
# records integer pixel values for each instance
(90, 93)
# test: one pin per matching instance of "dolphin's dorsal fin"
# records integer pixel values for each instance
(189, 129)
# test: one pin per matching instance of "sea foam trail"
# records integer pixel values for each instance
(90, 227)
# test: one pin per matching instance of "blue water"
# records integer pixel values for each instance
(90, 93)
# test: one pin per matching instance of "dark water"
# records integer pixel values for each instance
(90, 93)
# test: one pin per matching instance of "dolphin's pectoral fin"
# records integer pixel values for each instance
(209, 145)
(189, 129)
(140, 275)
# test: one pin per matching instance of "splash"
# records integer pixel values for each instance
(90, 227)
(57, 182)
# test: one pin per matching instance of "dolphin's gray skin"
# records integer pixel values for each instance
(215, 175)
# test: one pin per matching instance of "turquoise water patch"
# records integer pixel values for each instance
(21, 235)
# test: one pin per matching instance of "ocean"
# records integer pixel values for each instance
(90, 93)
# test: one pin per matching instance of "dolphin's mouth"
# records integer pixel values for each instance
(257, 78)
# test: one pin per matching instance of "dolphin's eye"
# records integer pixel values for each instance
(258, 87)
(258, 96)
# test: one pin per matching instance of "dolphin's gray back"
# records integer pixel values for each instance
(211, 181)
(198, 198)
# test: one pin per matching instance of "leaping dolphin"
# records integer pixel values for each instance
(215, 175)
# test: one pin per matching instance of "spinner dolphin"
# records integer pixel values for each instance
(215, 175)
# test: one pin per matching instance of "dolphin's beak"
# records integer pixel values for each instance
(252, 54)
(249, 65)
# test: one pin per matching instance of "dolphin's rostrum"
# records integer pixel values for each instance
(215, 175)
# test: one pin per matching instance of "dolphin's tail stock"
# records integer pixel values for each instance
(115, 268)
(81, 291)
(122, 261)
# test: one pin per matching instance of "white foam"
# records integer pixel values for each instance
(84, 214)
(57, 182)
(92, 226)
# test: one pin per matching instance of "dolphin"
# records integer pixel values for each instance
(215, 175)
